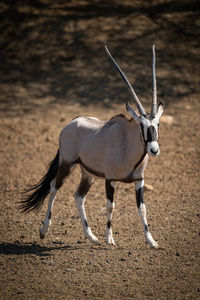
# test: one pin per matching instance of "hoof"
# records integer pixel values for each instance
(153, 245)
(42, 235)
(109, 238)
(111, 242)
(96, 242)
(93, 240)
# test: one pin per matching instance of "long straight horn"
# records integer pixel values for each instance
(154, 96)
(137, 101)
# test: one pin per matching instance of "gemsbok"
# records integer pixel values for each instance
(116, 150)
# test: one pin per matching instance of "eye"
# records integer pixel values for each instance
(158, 125)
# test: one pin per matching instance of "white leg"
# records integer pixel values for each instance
(139, 189)
(47, 221)
(79, 196)
(109, 208)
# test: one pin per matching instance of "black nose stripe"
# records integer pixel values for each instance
(151, 134)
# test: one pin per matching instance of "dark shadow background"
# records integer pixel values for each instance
(53, 51)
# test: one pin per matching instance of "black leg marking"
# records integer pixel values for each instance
(109, 224)
(146, 227)
(84, 187)
(86, 223)
(109, 191)
(49, 215)
(63, 171)
(139, 196)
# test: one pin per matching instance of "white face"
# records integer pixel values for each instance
(150, 134)
(149, 129)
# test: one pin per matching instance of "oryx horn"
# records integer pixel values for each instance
(137, 101)
(154, 89)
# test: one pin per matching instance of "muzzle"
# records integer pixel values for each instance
(153, 148)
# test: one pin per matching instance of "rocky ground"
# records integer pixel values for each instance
(53, 68)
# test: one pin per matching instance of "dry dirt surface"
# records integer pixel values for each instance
(53, 68)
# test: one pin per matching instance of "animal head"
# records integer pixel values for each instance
(149, 123)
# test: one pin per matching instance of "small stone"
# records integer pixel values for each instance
(188, 107)
(52, 262)
(148, 187)
(48, 139)
(79, 242)
(70, 270)
(122, 259)
(62, 120)
(58, 242)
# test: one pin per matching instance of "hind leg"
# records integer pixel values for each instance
(79, 195)
(63, 171)
(47, 221)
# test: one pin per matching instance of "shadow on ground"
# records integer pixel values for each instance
(53, 52)
(31, 248)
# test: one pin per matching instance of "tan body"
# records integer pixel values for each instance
(111, 149)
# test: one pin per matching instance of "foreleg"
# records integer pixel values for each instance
(109, 208)
(139, 189)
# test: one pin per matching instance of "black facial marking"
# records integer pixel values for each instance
(139, 196)
(86, 223)
(151, 134)
(109, 224)
(142, 129)
(109, 191)
(49, 215)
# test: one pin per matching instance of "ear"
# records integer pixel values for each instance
(161, 108)
(132, 112)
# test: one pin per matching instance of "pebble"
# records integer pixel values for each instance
(79, 242)
(58, 242)
(122, 259)
(148, 187)
(70, 270)
(62, 120)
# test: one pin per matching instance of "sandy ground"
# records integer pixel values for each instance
(53, 69)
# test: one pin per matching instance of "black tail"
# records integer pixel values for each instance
(39, 191)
